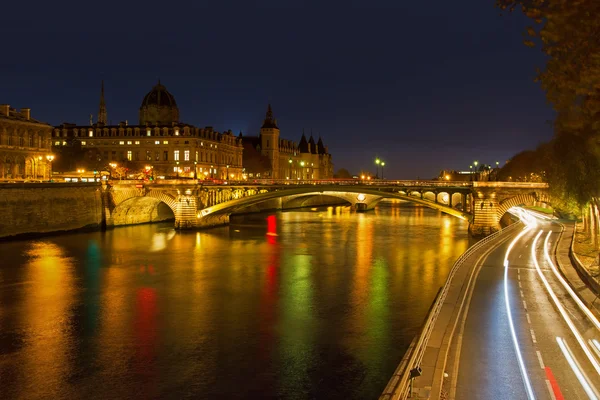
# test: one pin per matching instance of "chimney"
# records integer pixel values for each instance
(26, 113)
(4, 109)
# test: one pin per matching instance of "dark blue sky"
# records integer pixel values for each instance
(425, 85)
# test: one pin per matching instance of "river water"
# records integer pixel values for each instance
(319, 304)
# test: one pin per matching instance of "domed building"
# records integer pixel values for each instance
(160, 143)
(159, 107)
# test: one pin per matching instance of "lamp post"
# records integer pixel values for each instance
(302, 165)
(227, 177)
(211, 172)
(382, 165)
(177, 169)
(290, 163)
(195, 169)
(377, 162)
(49, 157)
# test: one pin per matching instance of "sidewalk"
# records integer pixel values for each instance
(576, 275)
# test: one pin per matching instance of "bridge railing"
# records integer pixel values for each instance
(399, 385)
(290, 182)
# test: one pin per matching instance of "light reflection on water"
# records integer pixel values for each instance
(324, 309)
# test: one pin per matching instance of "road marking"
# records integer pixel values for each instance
(533, 336)
(528, 319)
(540, 359)
(521, 293)
(520, 255)
(549, 386)
(524, 305)
(520, 286)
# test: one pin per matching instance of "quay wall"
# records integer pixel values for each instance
(31, 209)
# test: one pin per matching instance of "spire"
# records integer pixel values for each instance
(269, 122)
(102, 111)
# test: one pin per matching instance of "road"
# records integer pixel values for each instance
(556, 358)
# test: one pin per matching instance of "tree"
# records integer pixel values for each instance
(343, 174)
(568, 32)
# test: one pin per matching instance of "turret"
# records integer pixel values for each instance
(269, 141)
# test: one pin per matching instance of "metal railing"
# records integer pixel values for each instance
(399, 385)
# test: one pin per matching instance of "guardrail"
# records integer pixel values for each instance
(399, 385)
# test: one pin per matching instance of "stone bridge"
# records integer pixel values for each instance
(195, 205)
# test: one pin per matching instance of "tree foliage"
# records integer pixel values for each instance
(568, 32)
(343, 174)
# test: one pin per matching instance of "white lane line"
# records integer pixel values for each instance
(520, 286)
(549, 386)
(511, 324)
(589, 390)
(521, 293)
(542, 366)
(524, 305)
(519, 278)
(519, 255)
(528, 319)
(533, 336)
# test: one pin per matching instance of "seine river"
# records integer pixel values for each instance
(323, 309)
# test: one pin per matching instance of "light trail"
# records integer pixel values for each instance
(560, 307)
(562, 280)
(589, 390)
(522, 366)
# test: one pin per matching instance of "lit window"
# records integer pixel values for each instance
(137, 142)
(129, 155)
(57, 143)
(157, 142)
(211, 145)
(186, 155)
(174, 169)
(196, 156)
(129, 142)
(176, 132)
(122, 142)
(83, 143)
(165, 142)
(64, 143)
(176, 155)
(186, 169)
(201, 143)
(148, 133)
(91, 133)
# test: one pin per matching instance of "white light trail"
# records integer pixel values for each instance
(560, 307)
(591, 392)
(522, 367)
(562, 280)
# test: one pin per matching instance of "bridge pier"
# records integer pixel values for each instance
(484, 208)
(185, 211)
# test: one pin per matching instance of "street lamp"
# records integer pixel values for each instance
(177, 169)
(227, 176)
(302, 165)
(50, 157)
(382, 165)
(195, 170)
(377, 162)
(290, 162)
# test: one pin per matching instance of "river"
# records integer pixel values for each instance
(318, 303)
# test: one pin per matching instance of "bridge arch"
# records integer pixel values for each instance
(140, 210)
(528, 199)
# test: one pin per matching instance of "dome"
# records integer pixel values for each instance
(159, 107)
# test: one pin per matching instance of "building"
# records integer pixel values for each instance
(25, 145)
(269, 156)
(160, 143)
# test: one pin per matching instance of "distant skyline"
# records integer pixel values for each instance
(425, 86)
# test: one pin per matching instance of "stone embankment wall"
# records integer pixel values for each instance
(38, 208)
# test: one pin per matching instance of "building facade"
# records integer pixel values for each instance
(269, 156)
(25, 146)
(159, 143)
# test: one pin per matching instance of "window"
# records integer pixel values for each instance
(121, 142)
(91, 133)
(83, 143)
(148, 133)
(176, 155)
(129, 142)
(137, 142)
(64, 143)
(129, 155)
(187, 142)
(157, 142)
(176, 132)
(57, 143)
(30, 141)
(166, 155)
(186, 155)
(165, 142)
(148, 155)
(186, 169)
(136, 156)
(157, 156)
(105, 155)
(174, 169)
(196, 156)
(201, 143)
(267, 143)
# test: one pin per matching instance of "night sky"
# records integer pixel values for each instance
(425, 85)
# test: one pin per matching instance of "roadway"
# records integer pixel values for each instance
(553, 335)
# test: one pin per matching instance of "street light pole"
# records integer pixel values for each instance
(377, 162)
(49, 157)
(195, 170)
(177, 167)
(382, 165)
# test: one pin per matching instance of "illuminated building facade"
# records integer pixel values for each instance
(160, 142)
(269, 156)
(25, 145)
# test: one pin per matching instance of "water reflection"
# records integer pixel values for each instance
(308, 304)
